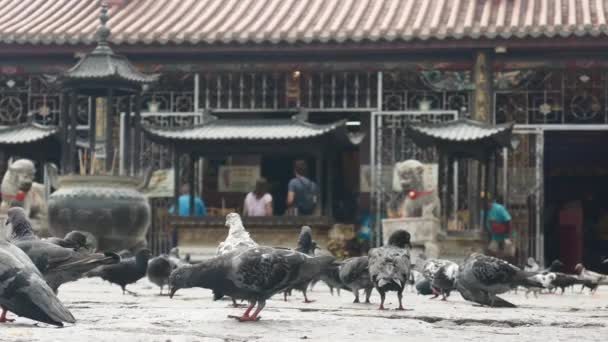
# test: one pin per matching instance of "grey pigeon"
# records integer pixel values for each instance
(24, 292)
(590, 279)
(389, 266)
(57, 264)
(159, 270)
(331, 277)
(255, 275)
(127, 271)
(481, 278)
(563, 281)
(434, 267)
(305, 245)
(423, 287)
(160, 267)
(354, 274)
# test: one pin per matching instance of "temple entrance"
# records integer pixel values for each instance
(576, 185)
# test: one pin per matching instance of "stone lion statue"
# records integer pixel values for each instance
(413, 200)
(18, 189)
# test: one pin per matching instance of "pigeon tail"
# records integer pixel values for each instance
(497, 302)
(305, 242)
(89, 262)
(38, 302)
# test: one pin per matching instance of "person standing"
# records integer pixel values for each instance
(498, 225)
(303, 193)
(184, 204)
(259, 201)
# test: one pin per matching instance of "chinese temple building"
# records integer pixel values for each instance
(247, 87)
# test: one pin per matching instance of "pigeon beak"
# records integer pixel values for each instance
(172, 292)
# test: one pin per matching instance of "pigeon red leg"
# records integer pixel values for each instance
(255, 316)
(245, 315)
(3, 318)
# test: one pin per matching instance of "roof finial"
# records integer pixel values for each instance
(103, 32)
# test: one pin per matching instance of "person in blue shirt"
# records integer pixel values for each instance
(184, 204)
(498, 225)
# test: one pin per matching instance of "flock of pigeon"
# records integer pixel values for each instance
(33, 269)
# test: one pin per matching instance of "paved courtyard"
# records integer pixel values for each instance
(104, 314)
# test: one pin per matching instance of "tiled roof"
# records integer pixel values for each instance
(462, 138)
(25, 134)
(297, 21)
(245, 129)
(460, 130)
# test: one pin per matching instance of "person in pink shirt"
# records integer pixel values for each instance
(259, 201)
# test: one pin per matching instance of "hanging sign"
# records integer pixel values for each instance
(237, 178)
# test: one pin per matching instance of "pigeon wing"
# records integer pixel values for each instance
(489, 270)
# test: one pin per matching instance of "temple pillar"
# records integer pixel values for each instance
(482, 110)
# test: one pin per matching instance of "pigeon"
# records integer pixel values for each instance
(563, 281)
(531, 265)
(159, 270)
(57, 264)
(590, 279)
(160, 267)
(354, 274)
(74, 240)
(430, 271)
(445, 279)
(24, 292)
(127, 271)
(555, 266)
(423, 287)
(238, 238)
(331, 277)
(545, 278)
(389, 266)
(480, 278)
(254, 274)
(305, 245)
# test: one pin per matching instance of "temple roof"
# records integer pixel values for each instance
(255, 136)
(298, 21)
(462, 136)
(245, 129)
(26, 133)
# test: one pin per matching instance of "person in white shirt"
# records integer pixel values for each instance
(258, 202)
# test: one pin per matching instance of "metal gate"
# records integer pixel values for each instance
(389, 145)
(522, 184)
(158, 157)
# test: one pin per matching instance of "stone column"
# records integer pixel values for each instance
(482, 110)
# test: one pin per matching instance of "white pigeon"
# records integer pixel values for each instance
(238, 238)
(531, 265)
(546, 279)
